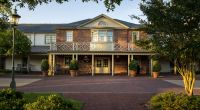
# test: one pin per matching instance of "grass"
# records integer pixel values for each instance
(31, 97)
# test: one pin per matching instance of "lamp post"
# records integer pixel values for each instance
(15, 18)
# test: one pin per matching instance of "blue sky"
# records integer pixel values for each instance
(76, 10)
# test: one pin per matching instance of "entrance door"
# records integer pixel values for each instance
(102, 65)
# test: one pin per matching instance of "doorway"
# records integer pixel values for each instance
(102, 65)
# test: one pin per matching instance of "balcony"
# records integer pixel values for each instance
(94, 46)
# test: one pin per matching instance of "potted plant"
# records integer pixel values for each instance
(133, 67)
(73, 68)
(156, 68)
(44, 67)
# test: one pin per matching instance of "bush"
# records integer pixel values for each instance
(73, 65)
(52, 102)
(133, 65)
(156, 66)
(172, 101)
(44, 65)
(11, 100)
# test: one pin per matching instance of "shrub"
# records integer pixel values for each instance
(51, 102)
(73, 65)
(133, 65)
(156, 66)
(172, 101)
(11, 100)
(44, 65)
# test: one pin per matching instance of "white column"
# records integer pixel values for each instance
(151, 65)
(53, 64)
(72, 56)
(131, 57)
(92, 65)
(50, 64)
(77, 57)
(112, 65)
(128, 63)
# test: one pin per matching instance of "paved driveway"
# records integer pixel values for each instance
(104, 92)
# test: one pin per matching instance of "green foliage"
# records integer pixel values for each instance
(6, 6)
(32, 97)
(73, 65)
(175, 34)
(172, 101)
(22, 43)
(11, 100)
(156, 66)
(52, 102)
(133, 65)
(44, 65)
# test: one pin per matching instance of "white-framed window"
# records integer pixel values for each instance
(135, 36)
(102, 36)
(50, 38)
(69, 36)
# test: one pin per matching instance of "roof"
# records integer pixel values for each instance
(51, 28)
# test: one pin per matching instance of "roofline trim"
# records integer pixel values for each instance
(103, 15)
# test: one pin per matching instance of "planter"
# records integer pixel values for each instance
(133, 73)
(73, 73)
(155, 74)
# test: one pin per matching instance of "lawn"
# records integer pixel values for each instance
(31, 97)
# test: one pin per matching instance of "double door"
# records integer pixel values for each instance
(102, 65)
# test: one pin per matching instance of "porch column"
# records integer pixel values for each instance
(50, 64)
(53, 65)
(175, 69)
(150, 65)
(72, 56)
(112, 65)
(128, 63)
(92, 65)
(131, 57)
(76, 57)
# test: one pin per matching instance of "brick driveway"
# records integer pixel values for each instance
(104, 92)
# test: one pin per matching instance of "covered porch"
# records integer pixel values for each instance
(99, 63)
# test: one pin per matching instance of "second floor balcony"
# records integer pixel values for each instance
(95, 46)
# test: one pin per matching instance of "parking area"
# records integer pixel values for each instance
(105, 92)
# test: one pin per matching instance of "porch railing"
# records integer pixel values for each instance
(93, 46)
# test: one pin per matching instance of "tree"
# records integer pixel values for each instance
(22, 43)
(6, 6)
(174, 25)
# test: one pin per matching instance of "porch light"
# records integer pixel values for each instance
(86, 59)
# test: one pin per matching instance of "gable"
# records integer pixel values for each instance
(103, 22)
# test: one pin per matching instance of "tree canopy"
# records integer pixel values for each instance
(6, 6)
(175, 29)
(22, 43)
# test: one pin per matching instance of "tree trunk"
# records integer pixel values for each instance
(188, 74)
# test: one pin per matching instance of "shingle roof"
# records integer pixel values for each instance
(51, 28)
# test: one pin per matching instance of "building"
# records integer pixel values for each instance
(102, 45)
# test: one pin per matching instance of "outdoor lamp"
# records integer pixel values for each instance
(14, 21)
(15, 17)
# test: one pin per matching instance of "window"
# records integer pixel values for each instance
(50, 39)
(102, 36)
(69, 36)
(135, 36)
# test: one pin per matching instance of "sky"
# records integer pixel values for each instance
(76, 10)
